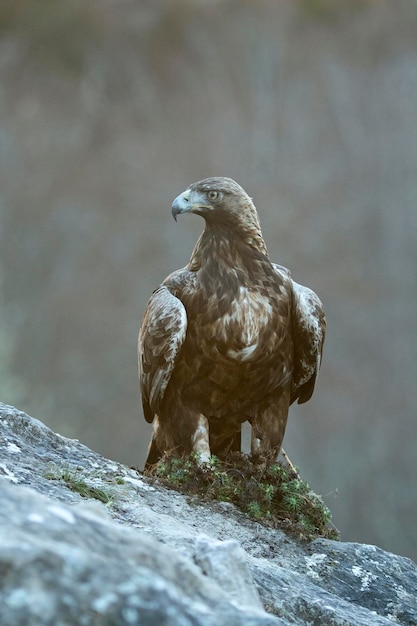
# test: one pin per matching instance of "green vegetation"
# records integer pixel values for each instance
(274, 495)
(74, 480)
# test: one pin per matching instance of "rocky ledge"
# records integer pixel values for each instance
(85, 540)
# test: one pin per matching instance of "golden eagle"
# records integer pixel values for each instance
(227, 339)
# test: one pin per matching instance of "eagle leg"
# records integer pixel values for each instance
(200, 441)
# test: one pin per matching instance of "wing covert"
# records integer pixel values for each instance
(161, 336)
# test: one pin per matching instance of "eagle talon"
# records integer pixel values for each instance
(203, 461)
(206, 468)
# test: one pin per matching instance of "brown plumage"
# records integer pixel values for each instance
(227, 339)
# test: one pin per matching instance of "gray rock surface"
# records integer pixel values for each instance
(148, 555)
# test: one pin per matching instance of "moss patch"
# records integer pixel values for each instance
(274, 495)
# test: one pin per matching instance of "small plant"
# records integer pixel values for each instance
(74, 481)
(273, 494)
(254, 510)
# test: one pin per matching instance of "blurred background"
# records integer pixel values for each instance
(109, 109)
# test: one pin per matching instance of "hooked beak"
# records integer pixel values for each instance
(181, 204)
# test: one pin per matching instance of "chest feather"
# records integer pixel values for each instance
(242, 328)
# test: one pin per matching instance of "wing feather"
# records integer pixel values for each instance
(309, 329)
(161, 336)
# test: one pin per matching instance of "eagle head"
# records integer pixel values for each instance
(226, 208)
(216, 199)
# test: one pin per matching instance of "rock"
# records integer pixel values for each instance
(62, 566)
(133, 552)
(226, 563)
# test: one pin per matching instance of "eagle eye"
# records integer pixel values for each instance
(213, 195)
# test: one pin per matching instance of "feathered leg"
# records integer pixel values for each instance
(181, 429)
(200, 440)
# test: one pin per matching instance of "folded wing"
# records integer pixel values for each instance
(309, 329)
(161, 337)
